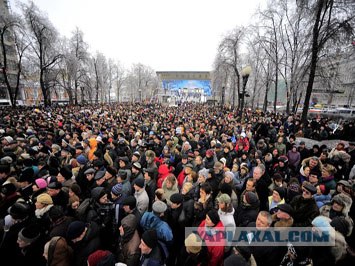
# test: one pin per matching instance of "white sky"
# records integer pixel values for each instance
(167, 35)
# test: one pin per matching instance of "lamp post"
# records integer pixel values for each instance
(245, 75)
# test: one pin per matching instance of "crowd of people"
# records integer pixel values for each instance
(120, 183)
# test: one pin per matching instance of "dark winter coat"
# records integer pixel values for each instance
(305, 211)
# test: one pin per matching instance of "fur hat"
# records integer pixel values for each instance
(19, 211)
(159, 207)
(345, 201)
(224, 198)
(29, 234)
(193, 243)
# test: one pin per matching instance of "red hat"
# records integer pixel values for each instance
(97, 257)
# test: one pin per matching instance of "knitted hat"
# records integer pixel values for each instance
(97, 257)
(150, 238)
(193, 243)
(159, 207)
(250, 197)
(41, 183)
(139, 182)
(117, 189)
(322, 223)
(130, 201)
(281, 192)
(176, 198)
(29, 234)
(224, 198)
(81, 159)
(75, 229)
(214, 217)
(44, 198)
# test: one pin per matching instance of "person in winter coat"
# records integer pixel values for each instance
(188, 203)
(150, 185)
(327, 255)
(31, 246)
(170, 187)
(101, 258)
(211, 230)
(85, 240)
(262, 182)
(59, 222)
(141, 196)
(43, 204)
(226, 212)
(328, 172)
(277, 198)
(283, 216)
(248, 210)
(294, 157)
(154, 252)
(153, 220)
(193, 253)
(323, 196)
(129, 252)
(8, 197)
(204, 203)
(57, 252)
(305, 206)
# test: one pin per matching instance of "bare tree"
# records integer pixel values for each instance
(43, 40)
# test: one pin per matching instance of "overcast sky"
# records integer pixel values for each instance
(167, 35)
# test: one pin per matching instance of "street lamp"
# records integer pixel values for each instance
(245, 75)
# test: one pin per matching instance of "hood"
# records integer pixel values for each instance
(150, 220)
(129, 224)
(174, 187)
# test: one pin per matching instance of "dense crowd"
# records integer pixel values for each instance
(105, 184)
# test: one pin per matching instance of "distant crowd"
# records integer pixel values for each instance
(107, 184)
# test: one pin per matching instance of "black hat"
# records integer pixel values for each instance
(130, 201)
(54, 185)
(8, 188)
(149, 170)
(124, 159)
(176, 198)
(97, 193)
(235, 259)
(55, 213)
(100, 174)
(286, 208)
(139, 182)
(341, 224)
(66, 172)
(19, 210)
(214, 217)
(150, 238)
(281, 191)
(75, 229)
(29, 234)
(78, 146)
(122, 174)
(27, 175)
(111, 170)
(309, 187)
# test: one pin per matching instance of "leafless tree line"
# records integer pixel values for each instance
(34, 54)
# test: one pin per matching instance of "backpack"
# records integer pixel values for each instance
(82, 210)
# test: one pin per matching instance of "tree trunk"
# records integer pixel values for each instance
(76, 92)
(314, 60)
(266, 94)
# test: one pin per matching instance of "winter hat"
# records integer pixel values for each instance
(97, 193)
(223, 160)
(8, 188)
(75, 188)
(287, 208)
(214, 217)
(100, 174)
(66, 172)
(26, 175)
(55, 185)
(117, 189)
(130, 201)
(55, 213)
(342, 225)
(139, 182)
(251, 198)
(75, 229)
(150, 238)
(81, 159)
(112, 171)
(159, 207)
(98, 256)
(137, 165)
(309, 187)
(224, 198)
(204, 172)
(343, 200)
(176, 198)
(235, 259)
(6, 160)
(44, 198)
(283, 158)
(193, 243)
(226, 189)
(29, 234)
(281, 192)
(210, 152)
(19, 210)
(322, 223)
(41, 183)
